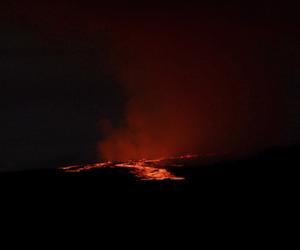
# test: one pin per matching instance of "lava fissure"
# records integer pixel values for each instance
(145, 169)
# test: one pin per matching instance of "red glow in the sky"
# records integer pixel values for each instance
(196, 81)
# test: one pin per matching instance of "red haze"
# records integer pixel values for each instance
(197, 80)
(196, 84)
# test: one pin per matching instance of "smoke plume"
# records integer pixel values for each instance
(194, 84)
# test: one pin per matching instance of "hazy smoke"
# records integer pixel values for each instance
(194, 85)
(202, 78)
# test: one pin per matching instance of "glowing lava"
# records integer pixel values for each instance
(141, 170)
(144, 169)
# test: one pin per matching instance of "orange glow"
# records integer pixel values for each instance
(188, 156)
(144, 172)
(156, 169)
(78, 168)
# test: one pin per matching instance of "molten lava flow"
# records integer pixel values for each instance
(79, 168)
(141, 170)
(144, 169)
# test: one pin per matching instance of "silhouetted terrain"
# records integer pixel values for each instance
(269, 174)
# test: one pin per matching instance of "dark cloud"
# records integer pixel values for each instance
(52, 95)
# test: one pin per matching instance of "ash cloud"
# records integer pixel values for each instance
(197, 83)
(197, 79)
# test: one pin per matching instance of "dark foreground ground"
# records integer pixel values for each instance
(268, 175)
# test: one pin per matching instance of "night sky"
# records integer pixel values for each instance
(85, 81)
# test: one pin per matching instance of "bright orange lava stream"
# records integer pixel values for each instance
(142, 169)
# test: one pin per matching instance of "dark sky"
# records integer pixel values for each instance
(86, 81)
